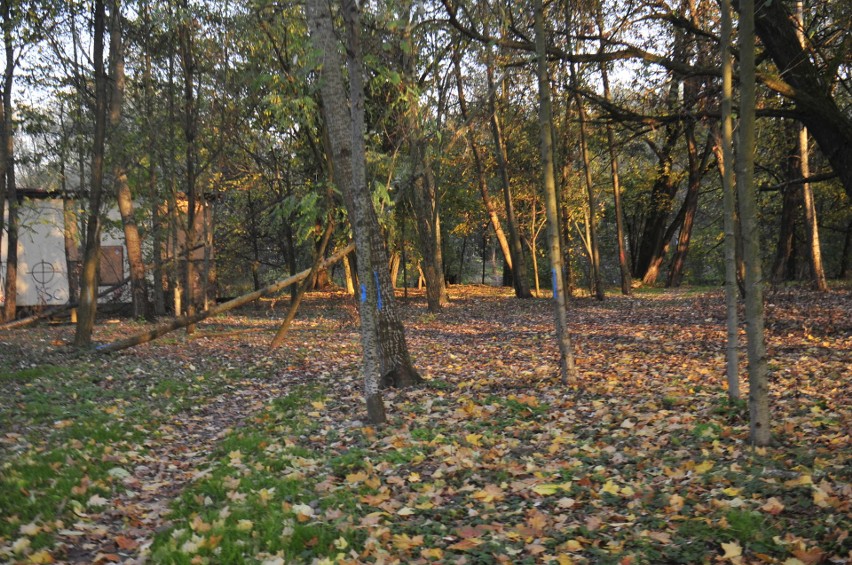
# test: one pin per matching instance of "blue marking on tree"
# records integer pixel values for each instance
(555, 289)
(363, 293)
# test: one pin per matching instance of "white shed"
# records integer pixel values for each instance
(42, 265)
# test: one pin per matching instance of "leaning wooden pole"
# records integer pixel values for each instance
(303, 289)
(184, 321)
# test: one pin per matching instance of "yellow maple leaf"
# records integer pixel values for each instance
(703, 467)
(474, 439)
(432, 553)
(403, 542)
(489, 494)
(42, 556)
(611, 488)
(732, 550)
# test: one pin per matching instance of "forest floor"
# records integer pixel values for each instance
(212, 449)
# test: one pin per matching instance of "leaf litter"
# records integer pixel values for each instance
(643, 461)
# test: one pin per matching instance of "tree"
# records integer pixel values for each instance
(566, 353)
(132, 240)
(7, 163)
(344, 118)
(758, 397)
(91, 252)
(725, 156)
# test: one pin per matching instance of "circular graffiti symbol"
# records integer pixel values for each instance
(43, 272)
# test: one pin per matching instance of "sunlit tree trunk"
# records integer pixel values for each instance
(188, 66)
(520, 281)
(490, 209)
(566, 353)
(91, 253)
(132, 240)
(725, 158)
(812, 226)
(591, 226)
(757, 366)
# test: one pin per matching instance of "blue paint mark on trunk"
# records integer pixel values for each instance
(378, 291)
(555, 288)
(363, 293)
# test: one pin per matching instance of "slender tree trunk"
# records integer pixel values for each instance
(843, 270)
(594, 253)
(784, 268)
(760, 433)
(812, 226)
(623, 261)
(725, 159)
(8, 170)
(520, 281)
(566, 353)
(132, 240)
(697, 167)
(91, 254)
(188, 65)
(490, 209)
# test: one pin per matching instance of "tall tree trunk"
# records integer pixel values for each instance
(725, 159)
(623, 261)
(758, 398)
(188, 66)
(594, 252)
(8, 170)
(520, 281)
(697, 166)
(811, 224)
(566, 353)
(783, 267)
(423, 183)
(157, 227)
(91, 253)
(490, 209)
(344, 118)
(132, 240)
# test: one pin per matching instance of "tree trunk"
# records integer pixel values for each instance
(424, 188)
(490, 209)
(133, 242)
(520, 281)
(594, 252)
(623, 261)
(91, 254)
(8, 170)
(697, 167)
(811, 224)
(725, 159)
(343, 117)
(783, 267)
(188, 66)
(566, 353)
(843, 270)
(758, 398)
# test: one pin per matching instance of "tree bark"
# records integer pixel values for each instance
(91, 254)
(424, 189)
(490, 209)
(623, 261)
(133, 242)
(725, 159)
(758, 400)
(520, 281)
(591, 224)
(567, 368)
(8, 170)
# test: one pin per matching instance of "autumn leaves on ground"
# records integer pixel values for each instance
(211, 449)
